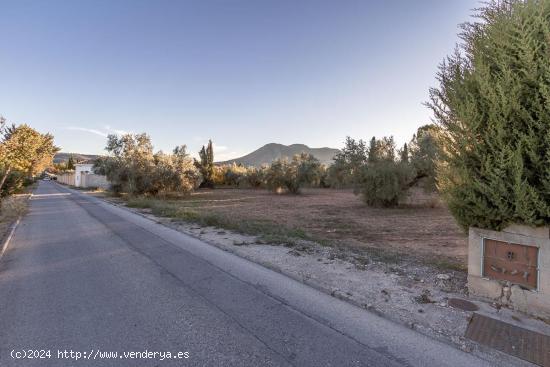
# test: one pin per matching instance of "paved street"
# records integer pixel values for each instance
(86, 276)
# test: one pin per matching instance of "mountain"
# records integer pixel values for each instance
(270, 152)
(64, 157)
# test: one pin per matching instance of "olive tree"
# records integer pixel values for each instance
(304, 169)
(132, 167)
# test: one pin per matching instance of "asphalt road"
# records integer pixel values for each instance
(85, 276)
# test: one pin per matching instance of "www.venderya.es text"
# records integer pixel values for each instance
(95, 354)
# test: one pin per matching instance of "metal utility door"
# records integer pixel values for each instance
(513, 262)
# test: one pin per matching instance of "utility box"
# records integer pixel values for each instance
(511, 267)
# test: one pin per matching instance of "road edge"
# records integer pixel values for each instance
(6, 242)
(11, 231)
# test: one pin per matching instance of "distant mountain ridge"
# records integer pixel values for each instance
(273, 151)
(64, 157)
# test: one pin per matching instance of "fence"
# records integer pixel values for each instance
(87, 180)
(66, 178)
(93, 180)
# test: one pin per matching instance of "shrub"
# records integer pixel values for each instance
(347, 164)
(425, 153)
(219, 175)
(304, 169)
(493, 105)
(255, 177)
(134, 169)
(385, 183)
(234, 174)
(13, 184)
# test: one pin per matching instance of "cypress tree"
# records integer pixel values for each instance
(70, 163)
(404, 154)
(493, 105)
(206, 164)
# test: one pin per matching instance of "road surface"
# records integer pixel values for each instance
(82, 280)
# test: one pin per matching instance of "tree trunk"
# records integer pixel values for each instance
(4, 178)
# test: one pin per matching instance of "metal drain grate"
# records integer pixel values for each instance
(522, 343)
(462, 304)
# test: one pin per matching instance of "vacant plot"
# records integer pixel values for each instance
(331, 217)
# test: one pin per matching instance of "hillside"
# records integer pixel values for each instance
(63, 157)
(270, 152)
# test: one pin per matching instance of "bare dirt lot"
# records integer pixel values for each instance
(332, 217)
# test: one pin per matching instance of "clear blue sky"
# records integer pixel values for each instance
(243, 73)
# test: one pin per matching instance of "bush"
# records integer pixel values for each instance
(14, 183)
(219, 175)
(234, 175)
(304, 169)
(385, 183)
(425, 153)
(348, 164)
(493, 105)
(134, 169)
(255, 177)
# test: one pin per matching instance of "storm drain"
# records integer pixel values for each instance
(462, 304)
(522, 343)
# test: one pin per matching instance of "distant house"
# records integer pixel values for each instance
(79, 169)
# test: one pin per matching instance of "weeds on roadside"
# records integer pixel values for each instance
(270, 232)
(12, 207)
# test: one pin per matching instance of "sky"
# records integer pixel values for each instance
(243, 73)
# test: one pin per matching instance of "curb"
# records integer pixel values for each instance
(10, 235)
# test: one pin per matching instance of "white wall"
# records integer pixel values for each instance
(79, 170)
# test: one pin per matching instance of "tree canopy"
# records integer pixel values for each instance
(493, 107)
(24, 150)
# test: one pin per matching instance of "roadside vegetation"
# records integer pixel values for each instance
(24, 153)
(493, 107)
(10, 209)
(133, 168)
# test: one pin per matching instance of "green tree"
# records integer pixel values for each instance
(493, 107)
(206, 165)
(404, 154)
(234, 174)
(255, 177)
(425, 153)
(25, 150)
(132, 167)
(304, 169)
(372, 153)
(347, 163)
(385, 183)
(381, 150)
(130, 164)
(70, 163)
(383, 180)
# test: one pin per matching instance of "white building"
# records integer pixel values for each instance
(79, 169)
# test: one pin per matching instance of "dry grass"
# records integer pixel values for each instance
(336, 218)
(10, 209)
